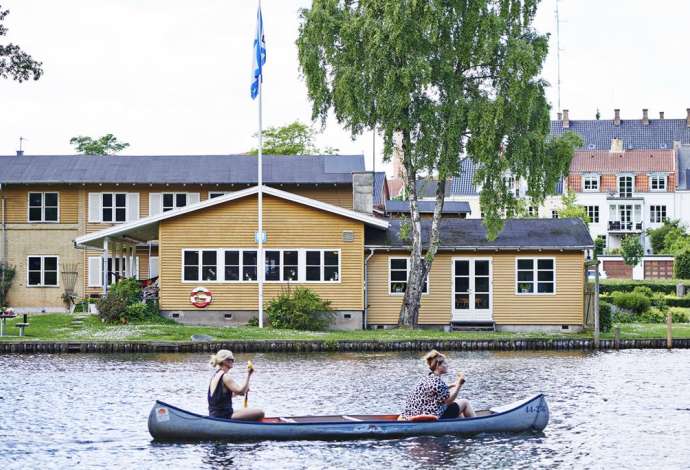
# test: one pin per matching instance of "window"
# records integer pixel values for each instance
(42, 271)
(290, 265)
(657, 214)
(535, 275)
(200, 265)
(214, 194)
(174, 201)
(398, 273)
(532, 211)
(554, 214)
(322, 266)
(114, 207)
(43, 207)
(590, 182)
(272, 265)
(249, 270)
(512, 185)
(625, 186)
(593, 213)
(232, 265)
(657, 182)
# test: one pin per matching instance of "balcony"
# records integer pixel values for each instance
(618, 226)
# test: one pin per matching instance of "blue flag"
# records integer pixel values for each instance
(259, 54)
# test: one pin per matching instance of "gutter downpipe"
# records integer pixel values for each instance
(3, 222)
(366, 288)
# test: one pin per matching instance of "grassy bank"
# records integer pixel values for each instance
(59, 327)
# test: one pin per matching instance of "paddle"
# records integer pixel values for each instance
(250, 367)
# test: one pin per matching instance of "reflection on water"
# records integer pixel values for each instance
(615, 409)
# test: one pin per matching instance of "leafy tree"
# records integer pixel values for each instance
(631, 250)
(294, 139)
(7, 273)
(657, 236)
(106, 145)
(681, 265)
(599, 245)
(15, 63)
(442, 78)
(571, 209)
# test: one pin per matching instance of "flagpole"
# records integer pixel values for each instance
(260, 254)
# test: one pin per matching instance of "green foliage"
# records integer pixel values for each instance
(605, 317)
(673, 301)
(667, 286)
(651, 316)
(599, 246)
(299, 309)
(129, 288)
(253, 321)
(112, 307)
(294, 139)
(105, 145)
(631, 250)
(15, 63)
(681, 265)
(632, 301)
(7, 273)
(657, 236)
(123, 303)
(571, 209)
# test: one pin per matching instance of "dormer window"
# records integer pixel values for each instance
(657, 182)
(590, 182)
(625, 186)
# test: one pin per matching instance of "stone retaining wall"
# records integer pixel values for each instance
(335, 346)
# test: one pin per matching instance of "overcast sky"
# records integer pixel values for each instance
(172, 76)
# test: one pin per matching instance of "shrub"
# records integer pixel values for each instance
(112, 307)
(657, 236)
(644, 290)
(299, 309)
(631, 250)
(681, 265)
(253, 321)
(128, 288)
(605, 317)
(632, 301)
(7, 273)
(677, 301)
(628, 285)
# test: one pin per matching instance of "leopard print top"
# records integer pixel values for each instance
(427, 398)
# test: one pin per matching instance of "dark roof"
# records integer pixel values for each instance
(597, 134)
(191, 169)
(427, 207)
(379, 188)
(471, 233)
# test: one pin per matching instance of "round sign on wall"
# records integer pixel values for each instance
(201, 297)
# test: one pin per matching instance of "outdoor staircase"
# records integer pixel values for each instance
(473, 326)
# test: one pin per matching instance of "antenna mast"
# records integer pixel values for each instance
(558, 56)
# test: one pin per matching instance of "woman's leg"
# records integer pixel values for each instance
(248, 414)
(466, 409)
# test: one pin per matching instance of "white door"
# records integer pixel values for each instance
(472, 289)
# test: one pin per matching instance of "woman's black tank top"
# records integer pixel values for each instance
(220, 402)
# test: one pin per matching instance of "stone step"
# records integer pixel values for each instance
(473, 326)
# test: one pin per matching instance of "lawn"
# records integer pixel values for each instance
(59, 327)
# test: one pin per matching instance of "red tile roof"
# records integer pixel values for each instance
(634, 161)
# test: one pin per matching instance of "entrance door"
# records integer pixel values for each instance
(472, 289)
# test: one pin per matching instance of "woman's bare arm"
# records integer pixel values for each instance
(455, 389)
(234, 387)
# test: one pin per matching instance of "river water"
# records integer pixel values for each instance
(627, 409)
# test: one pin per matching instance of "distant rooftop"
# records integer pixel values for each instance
(604, 161)
(427, 207)
(189, 169)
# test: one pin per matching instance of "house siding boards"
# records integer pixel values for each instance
(17, 203)
(287, 224)
(566, 306)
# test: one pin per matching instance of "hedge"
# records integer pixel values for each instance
(671, 300)
(606, 286)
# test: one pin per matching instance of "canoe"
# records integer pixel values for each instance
(169, 423)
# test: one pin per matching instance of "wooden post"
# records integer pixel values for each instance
(669, 330)
(596, 304)
(617, 337)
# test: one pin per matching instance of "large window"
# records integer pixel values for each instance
(114, 207)
(282, 265)
(657, 182)
(174, 201)
(535, 275)
(398, 273)
(625, 185)
(43, 207)
(593, 213)
(657, 214)
(590, 182)
(42, 271)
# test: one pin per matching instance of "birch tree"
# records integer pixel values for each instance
(450, 78)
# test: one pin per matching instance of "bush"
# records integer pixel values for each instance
(643, 290)
(7, 273)
(673, 301)
(681, 265)
(112, 307)
(128, 288)
(631, 301)
(627, 285)
(253, 321)
(605, 317)
(299, 309)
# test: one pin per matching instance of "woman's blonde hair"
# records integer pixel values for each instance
(432, 359)
(218, 358)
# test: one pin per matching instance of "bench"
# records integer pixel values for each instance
(21, 327)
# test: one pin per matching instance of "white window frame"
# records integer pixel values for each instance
(554, 214)
(212, 194)
(43, 272)
(301, 265)
(114, 208)
(42, 207)
(535, 275)
(632, 184)
(657, 213)
(592, 179)
(661, 180)
(407, 259)
(174, 196)
(532, 211)
(594, 211)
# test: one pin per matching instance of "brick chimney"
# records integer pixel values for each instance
(645, 117)
(363, 191)
(616, 117)
(616, 145)
(20, 153)
(661, 114)
(566, 120)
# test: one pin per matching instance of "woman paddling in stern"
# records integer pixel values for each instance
(432, 397)
(222, 387)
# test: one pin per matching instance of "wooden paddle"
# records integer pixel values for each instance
(250, 367)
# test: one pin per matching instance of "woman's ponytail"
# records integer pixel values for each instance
(432, 358)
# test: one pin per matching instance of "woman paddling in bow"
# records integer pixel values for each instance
(222, 388)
